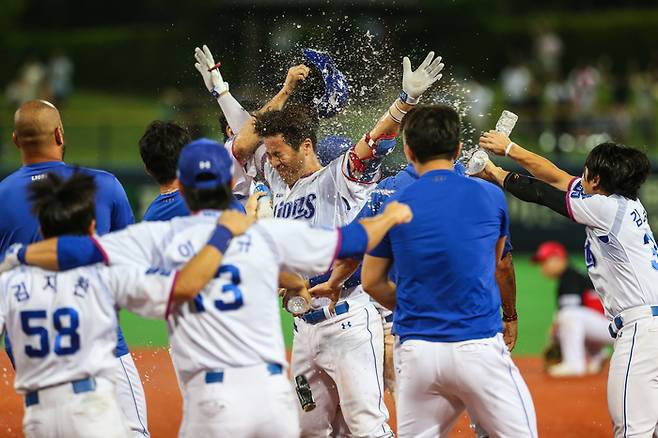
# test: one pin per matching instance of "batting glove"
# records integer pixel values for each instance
(205, 64)
(13, 257)
(415, 83)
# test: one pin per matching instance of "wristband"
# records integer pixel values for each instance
(220, 238)
(404, 97)
(215, 92)
(396, 113)
(509, 148)
(510, 318)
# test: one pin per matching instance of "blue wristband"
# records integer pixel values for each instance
(21, 254)
(220, 238)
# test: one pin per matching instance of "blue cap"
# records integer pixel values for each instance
(335, 97)
(204, 164)
(332, 147)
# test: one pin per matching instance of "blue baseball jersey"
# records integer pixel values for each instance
(19, 225)
(445, 258)
(170, 205)
(166, 206)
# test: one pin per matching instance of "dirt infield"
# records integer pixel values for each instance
(565, 408)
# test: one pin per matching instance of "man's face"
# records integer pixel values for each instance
(589, 186)
(287, 161)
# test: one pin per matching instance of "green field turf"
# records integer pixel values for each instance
(535, 296)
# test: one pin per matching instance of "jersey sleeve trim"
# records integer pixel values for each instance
(170, 300)
(568, 198)
(97, 244)
(343, 166)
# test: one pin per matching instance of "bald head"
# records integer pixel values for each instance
(37, 125)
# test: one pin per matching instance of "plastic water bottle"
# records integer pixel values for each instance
(264, 208)
(479, 159)
(297, 305)
(506, 122)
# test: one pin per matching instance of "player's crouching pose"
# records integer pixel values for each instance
(226, 345)
(621, 257)
(64, 335)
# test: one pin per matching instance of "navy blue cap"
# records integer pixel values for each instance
(332, 147)
(204, 164)
(335, 97)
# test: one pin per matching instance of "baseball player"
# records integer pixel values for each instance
(621, 258)
(226, 346)
(341, 355)
(580, 326)
(340, 276)
(446, 300)
(159, 148)
(63, 326)
(39, 135)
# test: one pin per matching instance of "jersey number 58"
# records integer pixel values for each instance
(65, 322)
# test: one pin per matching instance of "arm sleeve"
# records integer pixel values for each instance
(531, 189)
(144, 291)
(591, 210)
(138, 244)
(300, 248)
(353, 188)
(122, 213)
(236, 116)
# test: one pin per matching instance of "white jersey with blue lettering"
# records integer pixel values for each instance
(235, 321)
(620, 251)
(328, 197)
(63, 325)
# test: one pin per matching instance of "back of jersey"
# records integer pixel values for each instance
(235, 320)
(62, 325)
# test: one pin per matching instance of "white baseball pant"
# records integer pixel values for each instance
(633, 376)
(343, 358)
(438, 380)
(578, 326)
(247, 402)
(62, 413)
(130, 395)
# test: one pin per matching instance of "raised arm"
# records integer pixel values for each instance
(540, 167)
(246, 141)
(414, 84)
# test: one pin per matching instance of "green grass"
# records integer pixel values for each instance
(535, 303)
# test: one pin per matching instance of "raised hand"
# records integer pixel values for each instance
(416, 82)
(495, 142)
(205, 64)
(295, 75)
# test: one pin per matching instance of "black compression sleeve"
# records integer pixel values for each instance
(530, 189)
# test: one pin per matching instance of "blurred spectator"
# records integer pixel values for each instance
(516, 80)
(642, 87)
(548, 47)
(479, 104)
(584, 83)
(60, 74)
(30, 84)
(580, 327)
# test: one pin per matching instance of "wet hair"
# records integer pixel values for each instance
(294, 123)
(64, 206)
(621, 169)
(214, 199)
(160, 147)
(431, 132)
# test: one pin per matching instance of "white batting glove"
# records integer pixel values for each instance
(213, 78)
(9, 260)
(415, 83)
